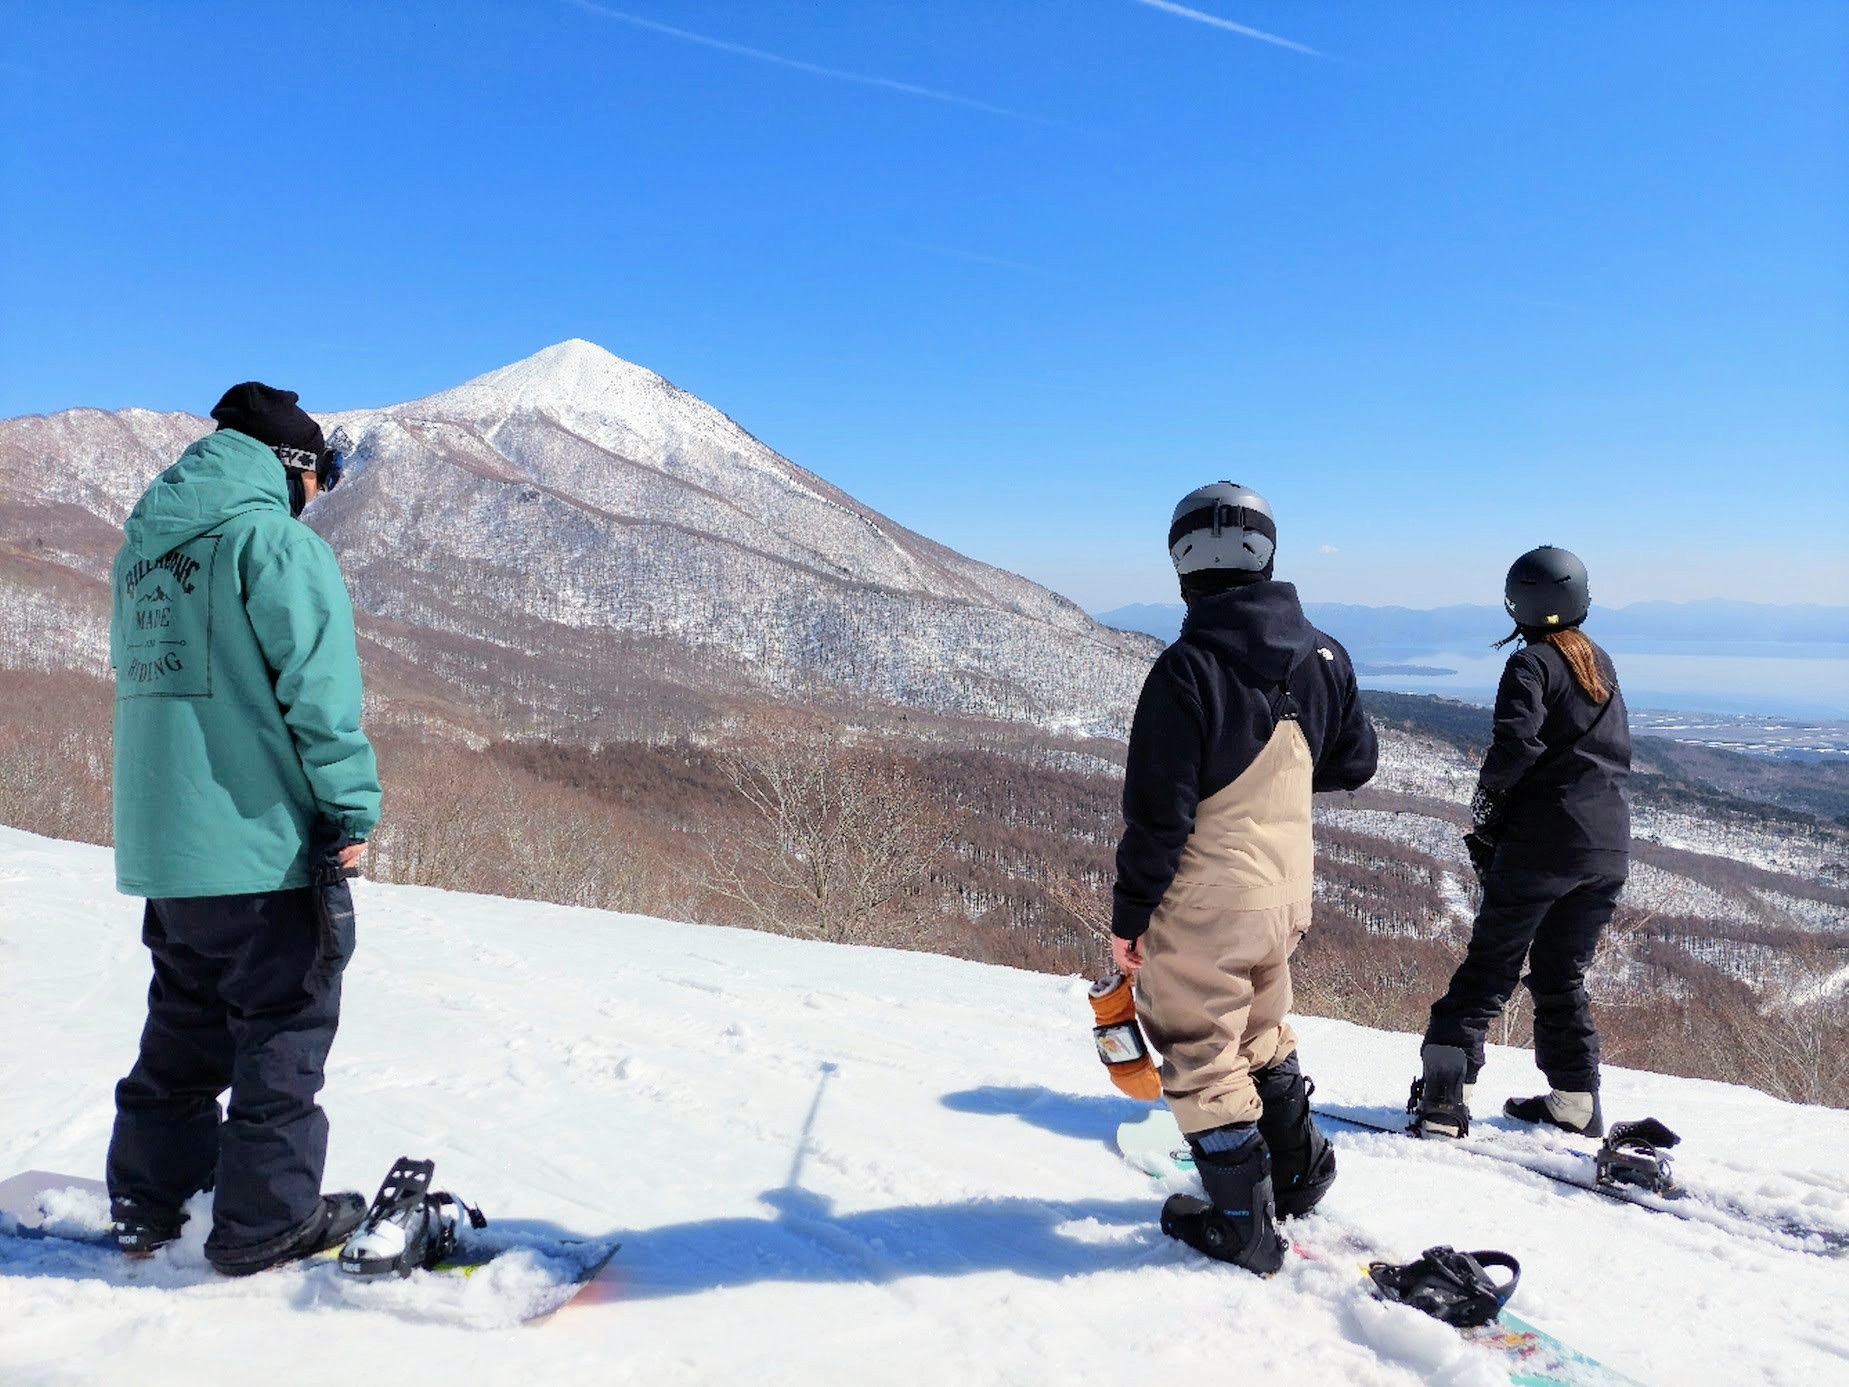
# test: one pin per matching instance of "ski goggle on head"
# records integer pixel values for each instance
(329, 465)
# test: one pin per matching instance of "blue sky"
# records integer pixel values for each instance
(1444, 281)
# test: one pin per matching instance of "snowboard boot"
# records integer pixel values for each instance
(1440, 1100)
(333, 1220)
(1236, 1222)
(140, 1231)
(1302, 1161)
(1578, 1113)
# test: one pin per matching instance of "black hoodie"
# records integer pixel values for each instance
(1209, 707)
(1554, 794)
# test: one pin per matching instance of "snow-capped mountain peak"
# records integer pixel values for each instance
(569, 379)
(575, 522)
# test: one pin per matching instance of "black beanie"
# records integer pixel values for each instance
(270, 416)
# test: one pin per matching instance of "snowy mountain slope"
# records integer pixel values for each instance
(1421, 766)
(840, 1165)
(572, 526)
(67, 482)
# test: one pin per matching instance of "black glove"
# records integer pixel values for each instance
(332, 899)
(1486, 809)
(1482, 850)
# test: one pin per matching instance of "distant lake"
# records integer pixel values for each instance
(1767, 678)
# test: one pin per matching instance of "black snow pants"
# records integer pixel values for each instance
(1553, 919)
(246, 996)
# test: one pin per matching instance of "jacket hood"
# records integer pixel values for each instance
(224, 474)
(1262, 625)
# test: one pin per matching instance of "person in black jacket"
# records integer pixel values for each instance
(1551, 844)
(1240, 720)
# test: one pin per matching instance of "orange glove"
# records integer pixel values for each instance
(1120, 1039)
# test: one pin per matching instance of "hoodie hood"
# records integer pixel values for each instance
(1262, 626)
(224, 474)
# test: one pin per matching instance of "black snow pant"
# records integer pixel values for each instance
(1553, 919)
(246, 996)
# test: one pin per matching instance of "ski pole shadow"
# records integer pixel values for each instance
(1083, 1116)
(809, 1242)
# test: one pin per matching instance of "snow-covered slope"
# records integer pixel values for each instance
(838, 1165)
(572, 528)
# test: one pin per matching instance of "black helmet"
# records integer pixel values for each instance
(1224, 526)
(1547, 590)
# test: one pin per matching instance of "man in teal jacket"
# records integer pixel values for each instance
(244, 795)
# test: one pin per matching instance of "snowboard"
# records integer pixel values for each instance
(72, 1213)
(1566, 1166)
(1532, 1357)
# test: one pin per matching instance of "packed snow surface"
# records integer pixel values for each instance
(838, 1165)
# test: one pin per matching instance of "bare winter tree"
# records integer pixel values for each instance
(1609, 960)
(1794, 1040)
(1086, 901)
(448, 802)
(833, 835)
(55, 755)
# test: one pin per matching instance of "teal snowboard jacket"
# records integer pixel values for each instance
(237, 683)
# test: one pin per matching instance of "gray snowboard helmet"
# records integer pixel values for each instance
(1547, 590)
(1224, 526)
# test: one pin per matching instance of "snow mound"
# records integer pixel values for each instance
(833, 1164)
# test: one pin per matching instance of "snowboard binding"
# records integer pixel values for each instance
(1449, 1285)
(1636, 1154)
(408, 1227)
(138, 1231)
(1302, 1160)
(1439, 1101)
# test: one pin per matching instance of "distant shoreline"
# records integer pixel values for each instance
(1695, 628)
(1413, 671)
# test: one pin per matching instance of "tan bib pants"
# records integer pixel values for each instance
(1215, 990)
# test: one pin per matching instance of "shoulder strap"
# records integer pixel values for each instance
(1284, 700)
(1278, 695)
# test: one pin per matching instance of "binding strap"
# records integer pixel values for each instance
(1449, 1285)
(443, 1246)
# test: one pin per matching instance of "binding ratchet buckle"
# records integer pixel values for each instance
(1636, 1155)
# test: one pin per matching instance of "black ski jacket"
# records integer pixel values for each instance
(1553, 793)
(1208, 708)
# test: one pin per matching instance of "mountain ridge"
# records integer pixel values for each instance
(573, 525)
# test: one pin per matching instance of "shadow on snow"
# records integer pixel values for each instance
(804, 1240)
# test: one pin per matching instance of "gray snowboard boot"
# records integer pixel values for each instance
(1578, 1113)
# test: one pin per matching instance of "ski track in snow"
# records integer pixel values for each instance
(834, 1164)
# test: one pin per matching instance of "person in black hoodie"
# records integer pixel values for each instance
(1240, 720)
(1551, 844)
